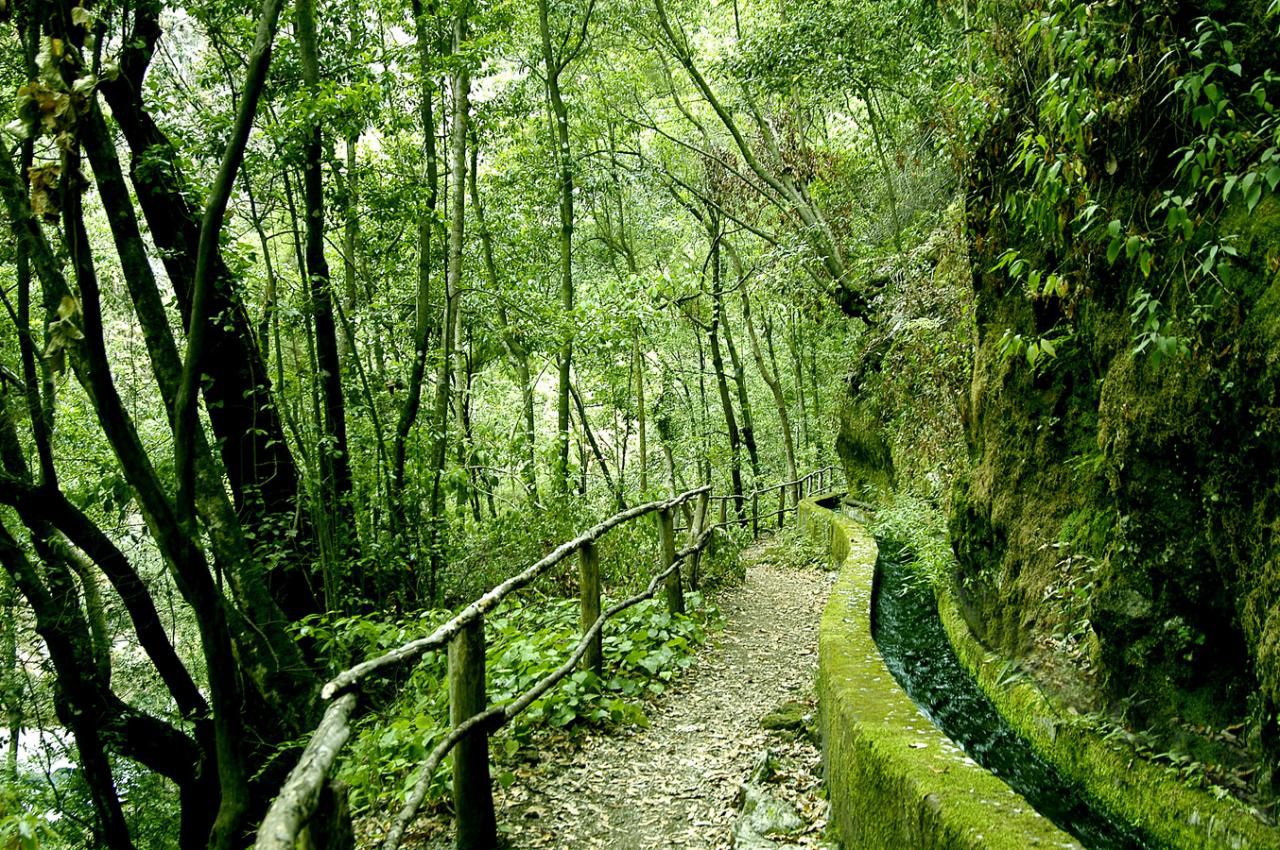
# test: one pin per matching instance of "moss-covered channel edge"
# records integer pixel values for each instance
(893, 779)
(1137, 791)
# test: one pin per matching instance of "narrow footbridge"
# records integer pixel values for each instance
(306, 802)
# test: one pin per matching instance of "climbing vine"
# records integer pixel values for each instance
(1211, 90)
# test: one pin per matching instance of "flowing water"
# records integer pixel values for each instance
(915, 647)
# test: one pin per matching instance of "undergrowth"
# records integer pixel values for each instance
(791, 548)
(645, 648)
(921, 528)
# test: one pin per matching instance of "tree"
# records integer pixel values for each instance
(555, 59)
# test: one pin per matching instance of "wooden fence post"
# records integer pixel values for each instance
(695, 531)
(472, 790)
(666, 531)
(782, 505)
(589, 596)
(724, 511)
(755, 514)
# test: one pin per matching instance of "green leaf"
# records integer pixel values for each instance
(1113, 251)
(1131, 246)
(1253, 196)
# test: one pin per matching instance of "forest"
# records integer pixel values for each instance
(330, 326)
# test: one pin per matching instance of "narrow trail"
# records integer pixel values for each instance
(674, 783)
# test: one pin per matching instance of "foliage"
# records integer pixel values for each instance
(1100, 66)
(920, 529)
(645, 649)
(389, 353)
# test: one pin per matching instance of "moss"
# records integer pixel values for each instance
(893, 779)
(1136, 790)
(863, 449)
(1165, 474)
(790, 716)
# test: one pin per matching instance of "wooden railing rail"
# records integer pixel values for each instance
(818, 481)
(489, 600)
(471, 720)
(493, 719)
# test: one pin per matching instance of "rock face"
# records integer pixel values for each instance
(1131, 500)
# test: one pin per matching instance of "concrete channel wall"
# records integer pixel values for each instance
(896, 782)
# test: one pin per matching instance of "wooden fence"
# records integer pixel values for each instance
(471, 719)
(788, 499)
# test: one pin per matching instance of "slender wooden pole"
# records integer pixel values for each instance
(782, 505)
(724, 511)
(472, 790)
(755, 514)
(666, 531)
(589, 592)
(695, 531)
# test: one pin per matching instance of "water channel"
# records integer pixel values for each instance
(916, 650)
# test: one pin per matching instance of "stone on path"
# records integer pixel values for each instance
(764, 817)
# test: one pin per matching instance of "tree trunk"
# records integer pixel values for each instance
(453, 287)
(641, 415)
(350, 239)
(517, 352)
(590, 436)
(334, 456)
(740, 382)
(399, 508)
(873, 119)
(797, 368)
(554, 65)
(722, 382)
(68, 644)
(771, 380)
(181, 552)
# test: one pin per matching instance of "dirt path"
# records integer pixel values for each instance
(673, 784)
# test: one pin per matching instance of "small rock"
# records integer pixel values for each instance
(745, 839)
(764, 815)
(789, 716)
